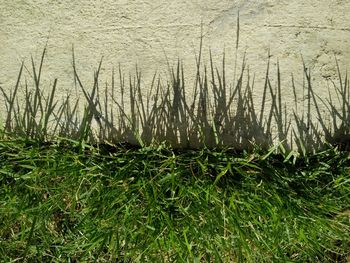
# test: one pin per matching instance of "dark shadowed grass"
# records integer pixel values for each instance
(68, 202)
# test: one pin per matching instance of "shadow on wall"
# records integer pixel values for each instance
(219, 114)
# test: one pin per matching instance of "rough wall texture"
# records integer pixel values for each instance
(148, 32)
(142, 31)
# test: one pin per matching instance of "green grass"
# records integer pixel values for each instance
(66, 201)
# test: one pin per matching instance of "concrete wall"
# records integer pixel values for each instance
(148, 32)
(143, 31)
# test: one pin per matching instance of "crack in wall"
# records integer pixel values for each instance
(113, 27)
(309, 27)
(154, 26)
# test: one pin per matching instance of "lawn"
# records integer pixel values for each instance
(66, 201)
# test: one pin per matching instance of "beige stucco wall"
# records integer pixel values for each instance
(143, 31)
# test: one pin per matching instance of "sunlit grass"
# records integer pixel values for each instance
(68, 202)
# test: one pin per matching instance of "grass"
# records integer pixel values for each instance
(70, 202)
(124, 175)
